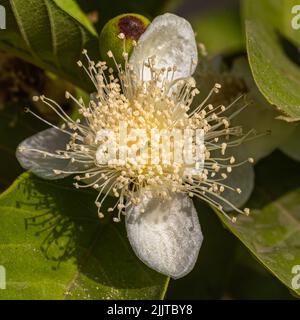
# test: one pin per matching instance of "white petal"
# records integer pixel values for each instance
(167, 236)
(171, 40)
(291, 146)
(48, 140)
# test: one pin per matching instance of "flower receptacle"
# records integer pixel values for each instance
(131, 25)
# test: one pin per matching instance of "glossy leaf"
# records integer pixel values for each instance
(50, 34)
(275, 73)
(54, 246)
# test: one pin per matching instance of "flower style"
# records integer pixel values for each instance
(153, 90)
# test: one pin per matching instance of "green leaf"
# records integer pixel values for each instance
(50, 34)
(272, 231)
(276, 75)
(73, 9)
(219, 31)
(54, 246)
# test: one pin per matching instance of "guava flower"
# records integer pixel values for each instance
(153, 91)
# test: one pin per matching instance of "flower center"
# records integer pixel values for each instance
(140, 134)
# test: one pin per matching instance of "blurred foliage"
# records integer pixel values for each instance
(220, 32)
(19, 82)
(46, 34)
(102, 11)
(14, 127)
(291, 145)
(249, 280)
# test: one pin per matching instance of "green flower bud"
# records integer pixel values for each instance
(131, 25)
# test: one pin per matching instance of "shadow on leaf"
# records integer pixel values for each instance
(65, 222)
